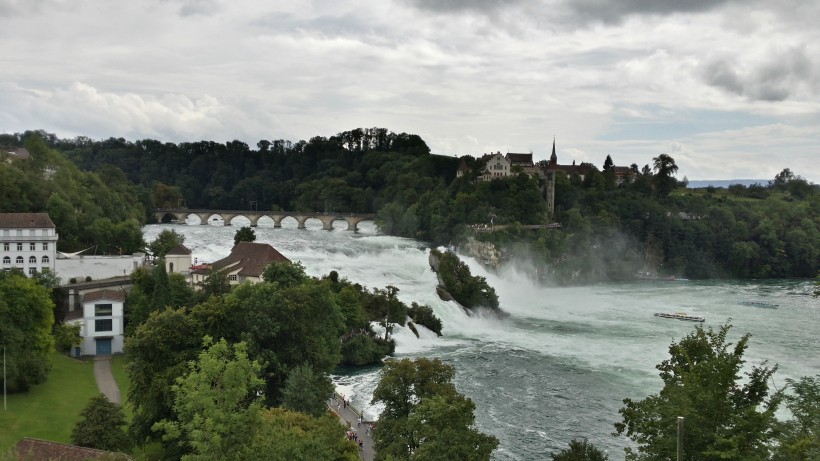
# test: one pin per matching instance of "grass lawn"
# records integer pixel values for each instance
(49, 411)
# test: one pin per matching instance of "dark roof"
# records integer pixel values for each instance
(622, 170)
(180, 249)
(520, 158)
(25, 221)
(108, 295)
(16, 152)
(43, 450)
(251, 258)
(581, 169)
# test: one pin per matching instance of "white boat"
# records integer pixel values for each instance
(680, 316)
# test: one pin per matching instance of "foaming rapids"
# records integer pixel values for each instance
(560, 364)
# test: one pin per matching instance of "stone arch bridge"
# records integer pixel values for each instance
(327, 218)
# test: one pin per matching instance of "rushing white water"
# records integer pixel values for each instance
(559, 366)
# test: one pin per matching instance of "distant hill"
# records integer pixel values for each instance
(724, 183)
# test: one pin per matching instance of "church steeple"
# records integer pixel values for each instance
(553, 157)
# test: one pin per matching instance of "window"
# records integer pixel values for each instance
(6, 246)
(32, 260)
(19, 246)
(45, 259)
(45, 246)
(19, 260)
(32, 270)
(103, 325)
(6, 260)
(232, 277)
(32, 246)
(103, 309)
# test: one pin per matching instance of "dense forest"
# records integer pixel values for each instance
(609, 231)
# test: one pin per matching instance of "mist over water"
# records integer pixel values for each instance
(560, 365)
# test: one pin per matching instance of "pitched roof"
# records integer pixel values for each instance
(25, 221)
(43, 450)
(180, 249)
(108, 295)
(249, 258)
(16, 152)
(520, 158)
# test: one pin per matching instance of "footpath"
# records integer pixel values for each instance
(105, 378)
(351, 418)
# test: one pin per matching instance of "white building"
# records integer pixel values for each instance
(29, 242)
(102, 323)
(178, 260)
(79, 268)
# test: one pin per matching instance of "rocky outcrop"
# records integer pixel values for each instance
(483, 296)
(484, 252)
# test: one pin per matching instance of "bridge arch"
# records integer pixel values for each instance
(227, 216)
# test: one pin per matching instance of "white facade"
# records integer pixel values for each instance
(97, 267)
(497, 166)
(178, 261)
(28, 241)
(102, 323)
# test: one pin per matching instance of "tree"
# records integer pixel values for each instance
(725, 418)
(287, 435)
(66, 335)
(244, 234)
(580, 450)
(159, 352)
(307, 391)
(26, 320)
(665, 169)
(165, 242)
(217, 404)
(799, 437)
(216, 283)
(443, 426)
(608, 164)
(424, 417)
(102, 426)
(285, 273)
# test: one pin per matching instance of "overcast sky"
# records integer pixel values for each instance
(729, 89)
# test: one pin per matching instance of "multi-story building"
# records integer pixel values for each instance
(101, 323)
(29, 242)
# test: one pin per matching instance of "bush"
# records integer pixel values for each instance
(101, 427)
(365, 350)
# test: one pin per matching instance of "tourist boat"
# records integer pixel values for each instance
(680, 316)
(759, 303)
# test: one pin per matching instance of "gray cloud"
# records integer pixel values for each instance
(196, 7)
(574, 11)
(778, 78)
(455, 6)
(613, 11)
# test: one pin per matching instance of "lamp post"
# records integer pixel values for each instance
(680, 438)
(4, 379)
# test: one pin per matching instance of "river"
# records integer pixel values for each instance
(560, 365)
